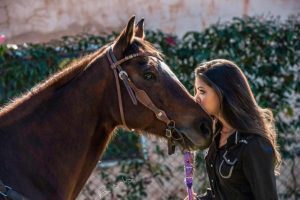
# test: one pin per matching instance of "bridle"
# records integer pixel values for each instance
(172, 133)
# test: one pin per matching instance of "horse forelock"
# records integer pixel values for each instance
(144, 46)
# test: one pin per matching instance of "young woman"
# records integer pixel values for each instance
(243, 157)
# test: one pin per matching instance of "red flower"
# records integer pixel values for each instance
(2, 39)
(170, 40)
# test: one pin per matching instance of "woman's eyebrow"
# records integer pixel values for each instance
(200, 87)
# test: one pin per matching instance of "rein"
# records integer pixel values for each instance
(188, 166)
(172, 133)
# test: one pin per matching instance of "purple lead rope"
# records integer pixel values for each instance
(188, 161)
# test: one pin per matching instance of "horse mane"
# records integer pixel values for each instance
(55, 81)
(46, 88)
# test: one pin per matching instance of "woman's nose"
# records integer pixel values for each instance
(198, 99)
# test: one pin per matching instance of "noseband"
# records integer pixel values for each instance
(172, 133)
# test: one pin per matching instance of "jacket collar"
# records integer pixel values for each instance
(232, 140)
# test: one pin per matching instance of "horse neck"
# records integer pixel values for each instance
(53, 149)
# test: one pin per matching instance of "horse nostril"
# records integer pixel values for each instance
(205, 130)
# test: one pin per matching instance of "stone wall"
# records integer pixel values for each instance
(42, 20)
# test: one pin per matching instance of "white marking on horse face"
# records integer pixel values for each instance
(166, 69)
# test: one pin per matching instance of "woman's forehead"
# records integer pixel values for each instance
(199, 82)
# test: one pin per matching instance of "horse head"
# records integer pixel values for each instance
(150, 79)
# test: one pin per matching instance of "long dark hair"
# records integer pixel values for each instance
(238, 105)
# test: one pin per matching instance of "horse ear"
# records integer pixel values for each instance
(139, 31)
(125, 38)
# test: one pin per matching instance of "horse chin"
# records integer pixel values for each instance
(190, 146)
(193, 144)
(189, 142)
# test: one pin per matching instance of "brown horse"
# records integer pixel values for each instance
(52, 137)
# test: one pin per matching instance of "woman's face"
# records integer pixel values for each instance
(207, 97)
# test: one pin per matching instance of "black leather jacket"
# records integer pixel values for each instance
(242, 169)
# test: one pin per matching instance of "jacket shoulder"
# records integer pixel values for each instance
(258, 145)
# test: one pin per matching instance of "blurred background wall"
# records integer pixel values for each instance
(43, 20)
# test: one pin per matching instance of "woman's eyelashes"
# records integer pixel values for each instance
(201, 91)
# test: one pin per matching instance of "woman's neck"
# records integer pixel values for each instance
(227, 129)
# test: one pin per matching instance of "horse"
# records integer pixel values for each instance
(52, 137)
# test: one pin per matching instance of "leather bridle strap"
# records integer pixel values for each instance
(115, 65)
(142, 96)
(118, 90)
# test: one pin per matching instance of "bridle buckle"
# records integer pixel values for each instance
(168, 133)
(123, 74)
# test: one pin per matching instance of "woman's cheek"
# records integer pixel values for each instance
(205, 104)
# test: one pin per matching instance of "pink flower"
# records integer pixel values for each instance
(170, 40)
(2, 39)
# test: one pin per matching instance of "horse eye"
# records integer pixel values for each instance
(149, 76)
